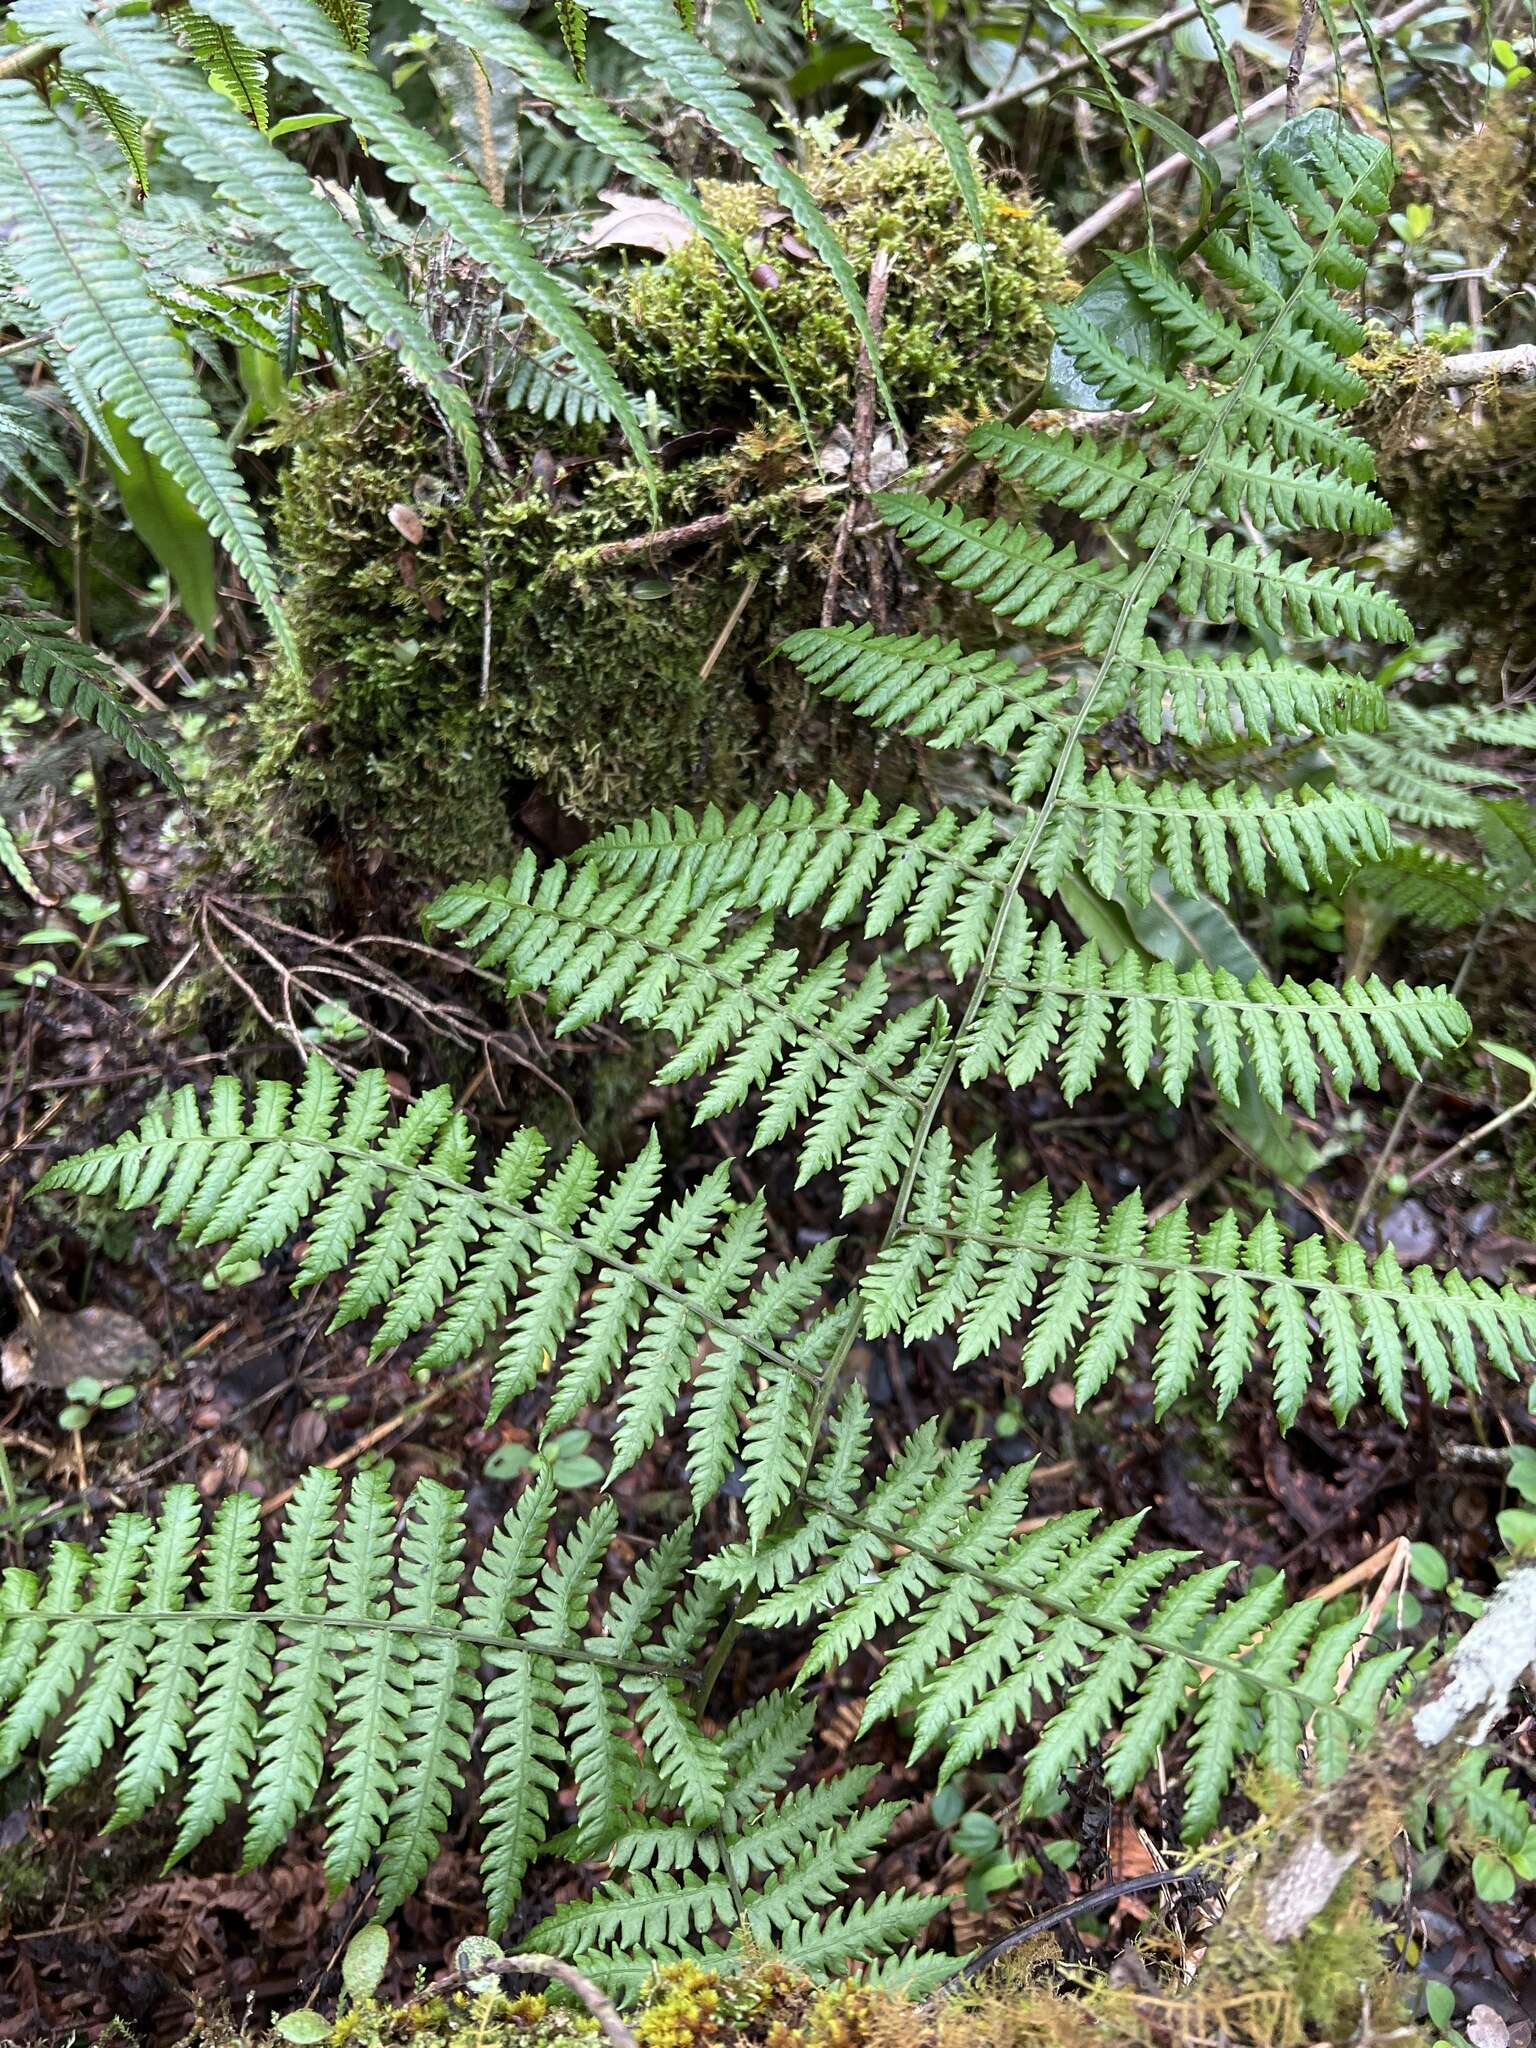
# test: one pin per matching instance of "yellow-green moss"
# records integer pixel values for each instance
(1247, 1994)
(465, 657)
(955, 338)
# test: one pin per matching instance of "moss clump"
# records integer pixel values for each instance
(1317, 1988)
(465, 657)
(960, 333)
(491, 649)
(1462, 479)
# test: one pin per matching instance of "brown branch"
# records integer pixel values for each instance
(592, 1997)
(863, 445)
(1485, 366)
(30, 57)
(1089, 230)
(1045, 82)
(1296, 69)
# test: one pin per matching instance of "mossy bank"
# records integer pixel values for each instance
(470, 661)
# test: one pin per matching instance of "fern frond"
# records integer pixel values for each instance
(1429, 888)
(233, 70)
(1116, 834)
(868, 22)
(1428, 770)
(820, 1047)
(363, 1665)
(933, 691)
(681, 65)
(127, 129)
(1116, 481)
(626, 146)
(51, 663)
(221, 148)
(1031, 581)
(982, 1628)
(1084, 1286)
(1044, 999)
(119, 345)
(436, 1253)
(765, 1880)
(305, 42)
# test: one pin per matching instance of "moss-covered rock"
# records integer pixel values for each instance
(463, 656)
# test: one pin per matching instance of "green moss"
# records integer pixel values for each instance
(465, 659)
(1462, 480)
(959, 334)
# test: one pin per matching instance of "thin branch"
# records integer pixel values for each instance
(1296, 69)
(1485, 366)
(596, 2001)
(1089, 230)
(1045, 82)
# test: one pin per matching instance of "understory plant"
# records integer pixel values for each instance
(863, 977)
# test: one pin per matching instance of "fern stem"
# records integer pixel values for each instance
(1416, 1088)
(529, 1643)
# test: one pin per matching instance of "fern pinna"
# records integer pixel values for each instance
(370, 1669)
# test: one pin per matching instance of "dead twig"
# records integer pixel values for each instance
(864, 416)
(592, 1997)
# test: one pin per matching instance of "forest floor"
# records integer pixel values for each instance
(239, 1387)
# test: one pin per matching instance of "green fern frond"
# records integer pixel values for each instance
(1031, 581)
(1116, 834)
(626, 146)
(981, 1628)
(357, 1679)
(680, 64)
(14, 862)
(1429, 769)
(435, 1253)
(1085, 1286)
(1117, 482)
(1044, 999)
(764, 1879)
(869, 22)
(220, 147)
(819, 1046)
(306, 43)
(935, 692)
(119, 345)
(233, 69)
(1429, 888)
(50, 662)
(127, 129)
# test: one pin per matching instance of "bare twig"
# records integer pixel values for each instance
(1045, 82)
(863, 443)
(596, 2001)
(30, 57)
(1306, 21)
(1089, 230)
(1485, 366)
